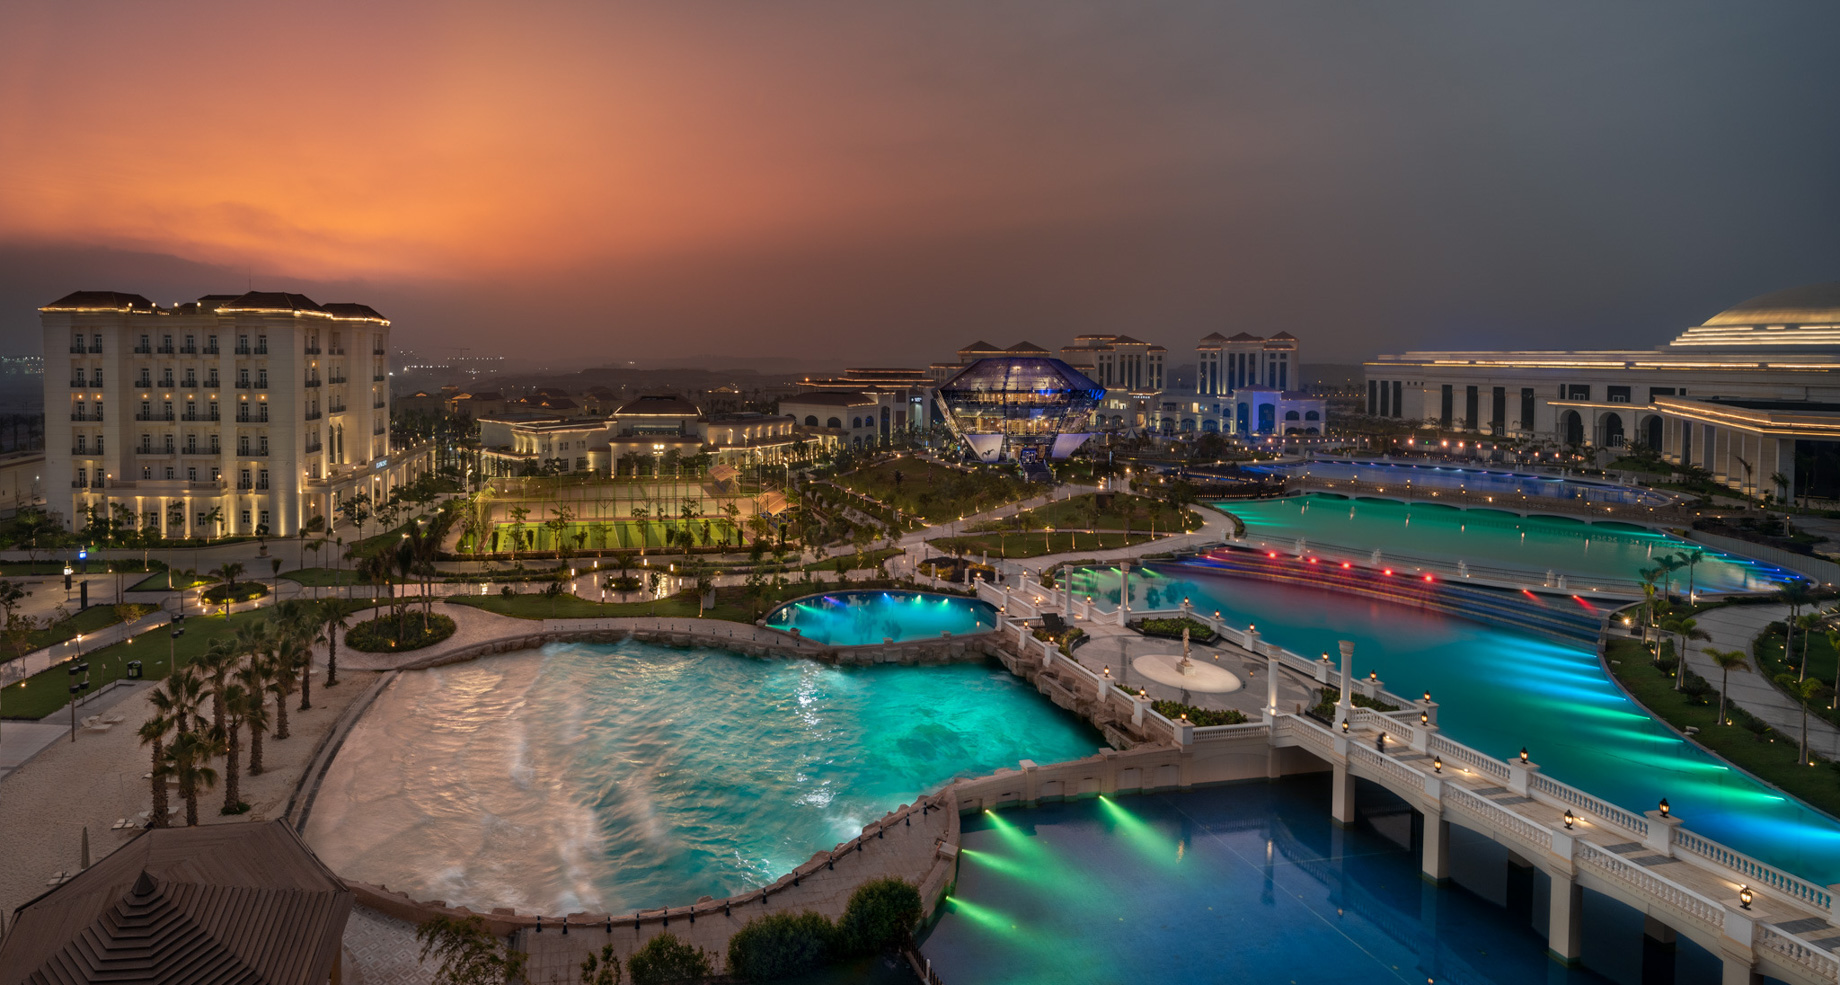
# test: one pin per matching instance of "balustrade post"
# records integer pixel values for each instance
(1660, 835)
(1430, 708)
(1519, 774)
(1421, 737)
(1271, 689)
(1137, 709)
(1345, 707)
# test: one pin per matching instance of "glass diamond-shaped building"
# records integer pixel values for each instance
(1020, 408)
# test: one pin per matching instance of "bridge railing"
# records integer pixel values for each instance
(1698, 851)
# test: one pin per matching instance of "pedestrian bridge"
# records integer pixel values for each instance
(1685, 884)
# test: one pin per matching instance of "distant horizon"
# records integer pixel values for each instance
(879, 184)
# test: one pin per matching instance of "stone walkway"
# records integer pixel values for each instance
(381, 950)
(1734, 627)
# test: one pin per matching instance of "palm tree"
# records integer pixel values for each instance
(1807, 623)
(1669, 563)
(1794, 595)
(236, 705)
(285, 657)
(1691, 560)
(1726, 661)
(1649, 577)
(255, 679)
(189, 759)
(334, 619)
(1804, 691)
(215, 665)
(298, 620)
(1687, 628)
(153, 733)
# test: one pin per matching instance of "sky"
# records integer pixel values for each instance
(880, 183)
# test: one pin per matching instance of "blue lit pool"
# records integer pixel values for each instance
(609, 778)
(1499, 690)
(858, 618)
(1251, 883)
(1422, 476)
(1601, 552)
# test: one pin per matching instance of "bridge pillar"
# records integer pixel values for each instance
(1564, 922)
(1658, 948)
(1435, 864)
(1737, 951)
(1341, 805)
(1661, 832)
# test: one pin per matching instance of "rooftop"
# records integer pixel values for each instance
(661, 405)
(99, 301)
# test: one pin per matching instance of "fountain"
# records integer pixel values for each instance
(1184, 673)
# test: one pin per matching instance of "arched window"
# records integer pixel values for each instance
(856, 422)
(833, 423)
(811, 420)
(1310, 415)
(1291, 415)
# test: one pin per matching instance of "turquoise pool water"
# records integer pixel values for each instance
(1473, 479)
(856, 618)
(617, 777)
(1247, 883)
(1498, 691)
(1491, 538)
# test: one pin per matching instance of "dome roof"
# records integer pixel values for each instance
(1810, 304)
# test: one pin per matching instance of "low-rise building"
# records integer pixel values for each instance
(650, 427)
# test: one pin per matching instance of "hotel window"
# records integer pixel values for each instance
(1659, 391)
(1498, 409)
(1399, 399)
(191, 474)
(1526, 408)
(146, 472)
(1446, 399)
(1578, 391)
(169, 471)
(1617, 394)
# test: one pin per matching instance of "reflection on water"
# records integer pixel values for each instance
(610, 778)
(856, 618)
(1499, 690)
(1493, 538)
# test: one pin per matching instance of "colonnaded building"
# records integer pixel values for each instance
(232, 414)
(1752, 395)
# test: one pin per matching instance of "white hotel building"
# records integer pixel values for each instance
(232, 414)
(1752, 393)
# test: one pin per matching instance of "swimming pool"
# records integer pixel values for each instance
(1424, 476)
(610, 778)
(1605, 552)
(1249, 883)
(862, 617)
(1499, 690)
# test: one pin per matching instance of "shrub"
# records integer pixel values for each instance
(379, 635)
(242, 591)
(779, 945)
(665, 959)
(1174, 710)
(881, 914)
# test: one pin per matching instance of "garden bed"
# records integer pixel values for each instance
(242, 591)
(391, 634)
(1198, 631)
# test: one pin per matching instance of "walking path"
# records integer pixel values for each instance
(1734, 627)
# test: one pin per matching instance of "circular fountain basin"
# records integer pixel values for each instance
(1203, 675)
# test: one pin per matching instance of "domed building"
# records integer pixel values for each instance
(1751, 395)
(1020, 408)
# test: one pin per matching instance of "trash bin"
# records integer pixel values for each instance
(134, 670)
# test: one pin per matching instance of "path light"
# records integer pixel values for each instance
(1437, 764)
(1745, 896)
(1344, 726)
(1664, 807)
(1427, 697)
(1523, 755)
(1424, 718)
(1373, 675)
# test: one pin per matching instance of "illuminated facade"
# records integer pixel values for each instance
(1745, 395)
(647, 427)
(1020, 408)
(233, 414)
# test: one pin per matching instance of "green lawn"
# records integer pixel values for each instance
(1821, 663)
(1027, 545)
(935, 492)
(1076, 513)
(49, 691)
(324, 577)
(156, 582)
(88, 621)
(610, 535)
(1774, 761)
